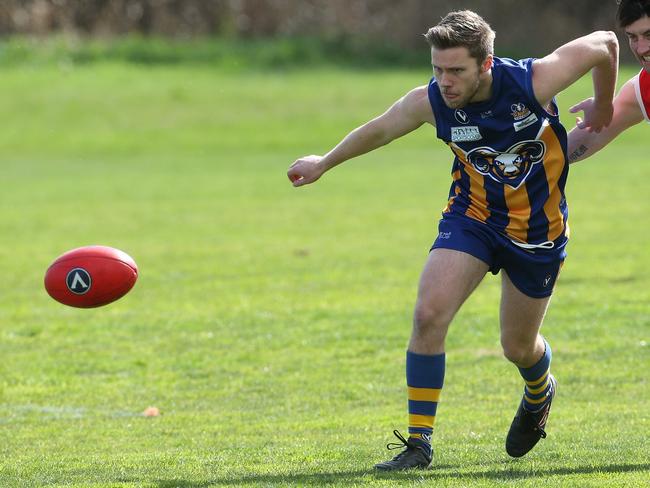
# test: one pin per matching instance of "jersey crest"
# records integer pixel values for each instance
(511, 167)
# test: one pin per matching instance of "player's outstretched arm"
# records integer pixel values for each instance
(404, 116)
(597, 52)
(627, 112)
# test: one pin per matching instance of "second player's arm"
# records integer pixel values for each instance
(404, 116)
(627, 112)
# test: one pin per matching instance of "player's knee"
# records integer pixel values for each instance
(430, 320)
(517, 352)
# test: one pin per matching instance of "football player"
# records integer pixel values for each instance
(506, 209)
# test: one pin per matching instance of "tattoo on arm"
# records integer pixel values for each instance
(575, 155)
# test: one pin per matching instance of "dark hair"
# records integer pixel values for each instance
(629, 11)
(463, 28)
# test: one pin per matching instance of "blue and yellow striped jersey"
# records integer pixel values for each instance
(510, 164)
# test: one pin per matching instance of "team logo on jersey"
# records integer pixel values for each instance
(519, 111)
(511, 167)
(461, 116)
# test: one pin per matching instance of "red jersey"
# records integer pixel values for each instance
(642, 88)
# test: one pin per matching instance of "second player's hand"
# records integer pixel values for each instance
(597, 116)
(305, 170)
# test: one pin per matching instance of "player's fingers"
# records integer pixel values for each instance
(300, 181)
(293, 174)
(301, 160)
(580, 106)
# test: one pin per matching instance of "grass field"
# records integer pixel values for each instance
(269, 324)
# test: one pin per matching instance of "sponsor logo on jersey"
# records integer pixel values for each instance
(461, 116)
(510, 167)
(519, 111)
(486, 115)
(467, 133)
(522, 124)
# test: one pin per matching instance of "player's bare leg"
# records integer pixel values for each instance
(521, 319)
(448, 278)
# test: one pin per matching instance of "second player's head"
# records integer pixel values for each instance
(634, 17)
(462, 47)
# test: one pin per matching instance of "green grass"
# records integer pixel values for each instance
(269, 324)
(227, 54)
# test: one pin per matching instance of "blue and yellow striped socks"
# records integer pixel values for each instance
(538, 382)
(424, 378)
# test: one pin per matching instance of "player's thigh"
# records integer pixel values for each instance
(448, 278)
(521, 316)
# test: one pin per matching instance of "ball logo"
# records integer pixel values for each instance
(78, 281)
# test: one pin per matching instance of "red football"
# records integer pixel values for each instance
(91, 276)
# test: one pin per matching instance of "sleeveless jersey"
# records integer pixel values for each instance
(642, 89)
(510, 164)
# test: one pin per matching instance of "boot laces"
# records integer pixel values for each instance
(534, 420)
(404, 443)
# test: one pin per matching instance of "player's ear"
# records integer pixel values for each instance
(487, 64)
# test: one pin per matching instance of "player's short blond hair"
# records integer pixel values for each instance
(463, 28)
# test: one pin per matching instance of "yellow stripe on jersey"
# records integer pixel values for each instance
(518, 212)
(424, 394)
(456, 176)
(553, 166)
(477, 208)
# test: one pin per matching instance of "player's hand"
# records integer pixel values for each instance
(306, 170)
(597, 116)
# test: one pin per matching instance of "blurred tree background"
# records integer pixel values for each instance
(524, 27)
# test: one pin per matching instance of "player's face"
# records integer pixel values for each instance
(638, 35)
(460, 77)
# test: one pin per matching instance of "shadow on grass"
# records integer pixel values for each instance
(352, 477)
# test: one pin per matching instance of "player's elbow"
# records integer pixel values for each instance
(609, 44)
(611, 41)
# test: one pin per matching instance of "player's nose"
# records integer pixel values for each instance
(445, 80)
